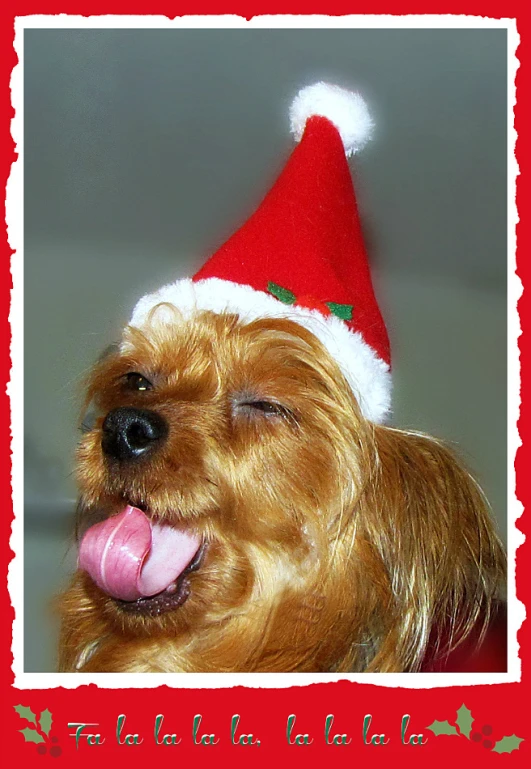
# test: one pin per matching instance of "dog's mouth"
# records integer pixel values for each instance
(170, 598)
(142, 564)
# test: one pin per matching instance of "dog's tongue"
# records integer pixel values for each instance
(129, 557)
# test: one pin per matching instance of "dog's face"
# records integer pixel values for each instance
(245, 435)
(316, 539)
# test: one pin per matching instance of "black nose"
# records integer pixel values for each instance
(131, 433)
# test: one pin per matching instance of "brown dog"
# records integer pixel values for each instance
(242, 505)
(327, 543)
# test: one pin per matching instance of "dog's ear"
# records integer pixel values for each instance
(427, 539)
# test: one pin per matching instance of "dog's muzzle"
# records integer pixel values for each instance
(130, 433)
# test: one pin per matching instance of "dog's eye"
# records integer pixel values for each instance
(265, 406)
(136, 381)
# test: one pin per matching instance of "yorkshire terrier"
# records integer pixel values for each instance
(240, 511)
(315, 540)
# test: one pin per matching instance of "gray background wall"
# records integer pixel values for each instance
(145, 149)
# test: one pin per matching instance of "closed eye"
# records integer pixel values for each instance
(267, 409)
(265, 406)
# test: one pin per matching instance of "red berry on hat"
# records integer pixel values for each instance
(311, 303)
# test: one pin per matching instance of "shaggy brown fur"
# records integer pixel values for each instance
(332, 544)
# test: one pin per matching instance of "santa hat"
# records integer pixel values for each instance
(301, 254)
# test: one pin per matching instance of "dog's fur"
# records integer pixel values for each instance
(333, 544)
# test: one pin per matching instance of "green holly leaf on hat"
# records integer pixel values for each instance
(343, 311)
(26, 713)
(45, 722)
(464, 721)
(30, 735)
(282, 294)
(442, 727)
(507, 744)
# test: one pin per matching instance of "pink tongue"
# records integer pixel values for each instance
(129, 557)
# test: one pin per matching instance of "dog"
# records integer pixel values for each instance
(324, 542)
(244, 505)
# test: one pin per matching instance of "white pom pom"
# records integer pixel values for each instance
(345, 109)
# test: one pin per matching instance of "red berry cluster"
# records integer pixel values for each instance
(55, 750)
(486, 731)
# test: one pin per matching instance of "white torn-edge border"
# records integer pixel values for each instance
(14, 216)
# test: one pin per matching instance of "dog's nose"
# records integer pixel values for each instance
(130, 433)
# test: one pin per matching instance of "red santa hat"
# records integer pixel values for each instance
(301, 255)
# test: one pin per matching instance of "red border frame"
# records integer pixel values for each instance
(265, 711)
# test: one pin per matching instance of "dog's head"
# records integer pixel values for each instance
(279, 528)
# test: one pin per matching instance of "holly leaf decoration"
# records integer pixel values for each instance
(507, 744)
(343, 311)
(464, 720)
(30, 735)
(283, 294)
(26, 713)
(45, 721)
(442, 727)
